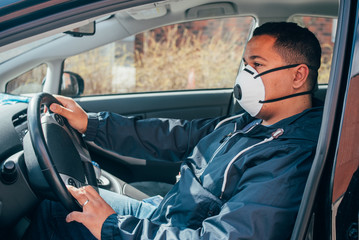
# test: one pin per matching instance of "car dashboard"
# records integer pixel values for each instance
(16, 197)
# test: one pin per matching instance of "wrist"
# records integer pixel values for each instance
(85, 123)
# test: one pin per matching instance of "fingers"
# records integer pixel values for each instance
(73, 112)
(62, 110)
(95, 209)
(79, 194)
(83, 194)
(56, 108)
(74, 216)
(65, 101)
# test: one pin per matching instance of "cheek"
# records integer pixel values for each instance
(270, 88)
(276, 86)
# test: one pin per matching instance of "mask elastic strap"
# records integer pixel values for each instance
(276, 69)
(289, 96)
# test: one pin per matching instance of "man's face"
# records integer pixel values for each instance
(261, 55)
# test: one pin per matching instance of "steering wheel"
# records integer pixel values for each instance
(55, 154)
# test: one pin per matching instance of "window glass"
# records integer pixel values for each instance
(195, 55)
(324, 29)
(29, 82)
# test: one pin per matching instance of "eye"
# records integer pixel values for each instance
(256, 64)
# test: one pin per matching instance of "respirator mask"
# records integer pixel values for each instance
(249, 89)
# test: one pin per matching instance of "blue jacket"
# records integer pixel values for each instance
(236, 182)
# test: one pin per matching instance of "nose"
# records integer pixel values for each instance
(237, 92)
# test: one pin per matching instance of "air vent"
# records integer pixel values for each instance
(19, 118)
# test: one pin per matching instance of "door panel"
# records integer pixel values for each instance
(179, 104)
(184, 105)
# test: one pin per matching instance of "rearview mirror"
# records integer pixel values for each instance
(88, 29)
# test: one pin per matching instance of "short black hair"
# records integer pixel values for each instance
(295, 44)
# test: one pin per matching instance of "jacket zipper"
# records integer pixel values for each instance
(224, 141)
(274, 135)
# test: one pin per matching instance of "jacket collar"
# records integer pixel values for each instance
(305, 125)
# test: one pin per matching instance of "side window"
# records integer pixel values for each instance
(29, 82)
(324, 29)
(194, 55)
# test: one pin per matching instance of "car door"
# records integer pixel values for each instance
(345, 177)
(329, 208)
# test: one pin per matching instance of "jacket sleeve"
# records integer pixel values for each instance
(264, 206)
(150, 139)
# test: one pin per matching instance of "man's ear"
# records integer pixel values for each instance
(301, 76)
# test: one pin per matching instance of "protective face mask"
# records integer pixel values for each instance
(249, 89)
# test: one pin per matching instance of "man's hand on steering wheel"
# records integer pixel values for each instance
(94, 209)
(74, 114)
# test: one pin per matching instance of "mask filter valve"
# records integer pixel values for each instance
(237, 92)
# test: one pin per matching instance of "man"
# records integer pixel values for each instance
(242, 177)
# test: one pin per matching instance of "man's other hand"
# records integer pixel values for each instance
(74, 114)
(94, 209)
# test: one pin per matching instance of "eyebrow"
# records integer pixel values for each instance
(255, 57)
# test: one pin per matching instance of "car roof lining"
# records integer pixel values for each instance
(269, 11)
